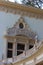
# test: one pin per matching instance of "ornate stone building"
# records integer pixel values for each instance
(21, 34)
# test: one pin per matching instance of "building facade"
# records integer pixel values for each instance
(21, 34)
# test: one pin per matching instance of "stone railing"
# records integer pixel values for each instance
(34, 61)
(28, 53)
(25, 54)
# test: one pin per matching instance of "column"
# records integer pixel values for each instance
(5, 49)
(34, 61)
(24, 63)
(14, 49)
(26, 47)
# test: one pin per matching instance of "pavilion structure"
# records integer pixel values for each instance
(22, 44)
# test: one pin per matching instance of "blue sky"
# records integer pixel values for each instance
(19, 1)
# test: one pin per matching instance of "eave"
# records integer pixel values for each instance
(30, 11)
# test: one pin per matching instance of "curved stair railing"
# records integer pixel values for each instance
(24, 55)
(30, 52)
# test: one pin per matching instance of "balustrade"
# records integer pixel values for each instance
(23, 56)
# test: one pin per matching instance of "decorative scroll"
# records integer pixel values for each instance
(26, 31)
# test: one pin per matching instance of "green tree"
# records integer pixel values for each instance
(35, 3)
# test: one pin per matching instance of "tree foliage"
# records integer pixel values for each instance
(35, 3)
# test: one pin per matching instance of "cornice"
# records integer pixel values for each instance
(24, 10)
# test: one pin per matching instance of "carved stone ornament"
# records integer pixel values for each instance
(17, 30)
(20, 12)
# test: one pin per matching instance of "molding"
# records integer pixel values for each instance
(16, 30)
(23, 10)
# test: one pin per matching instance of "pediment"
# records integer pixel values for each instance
(21, 28)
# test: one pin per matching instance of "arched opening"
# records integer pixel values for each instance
(20, 48)
(23, 43)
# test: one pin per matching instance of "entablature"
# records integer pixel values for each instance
(24, 10)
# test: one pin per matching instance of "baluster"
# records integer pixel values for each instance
(34, 61)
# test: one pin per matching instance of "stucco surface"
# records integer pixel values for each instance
(8, 20)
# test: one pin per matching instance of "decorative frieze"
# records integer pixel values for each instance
(17, 30)
(20, 12)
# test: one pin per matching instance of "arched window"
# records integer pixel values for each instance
(21, 25)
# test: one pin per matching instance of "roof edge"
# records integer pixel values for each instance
(24, 8)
